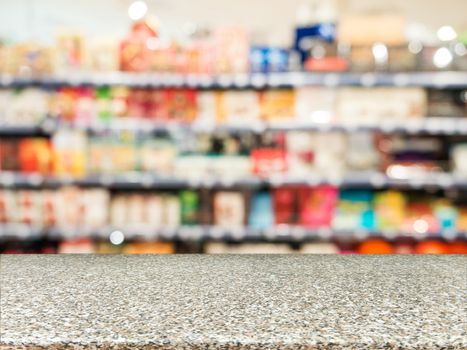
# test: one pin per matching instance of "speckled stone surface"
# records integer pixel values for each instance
(233, 302)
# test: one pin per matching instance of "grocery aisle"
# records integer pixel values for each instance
(343, 130)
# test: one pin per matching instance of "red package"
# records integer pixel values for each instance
(158, 106)
(35, 156)
(267, 161)
(317, 206)
(285, 205)
(137, 103)
(420, 218)
(327, 64)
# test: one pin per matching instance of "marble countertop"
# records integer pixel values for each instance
(233, 302)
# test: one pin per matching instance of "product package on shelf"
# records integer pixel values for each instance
(238, 108)
(390, 210)
(23, 107)
(232, 49)
(315, 104)
(261, 214)
(277, 105)
(368, 37)
(69, 153)
(354, 211)
(229, 209)
(420, 217)
(317, 206)
(376, 105)
(286, 208)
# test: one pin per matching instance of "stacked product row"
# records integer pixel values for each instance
(292, 155)
(87, 106)
(357, 43)
(93, 211)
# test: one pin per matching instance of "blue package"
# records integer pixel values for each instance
(259, 59)
(447, 216)
(278, 60)
(319, 32)
(261, 212)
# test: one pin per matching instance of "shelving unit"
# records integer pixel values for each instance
(282, 233)
(440, 79)
(428, 125)
(138, 181)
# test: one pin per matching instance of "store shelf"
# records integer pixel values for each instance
(25, 130)
(427, 125)
(451, 79)
(138, 181)
(281, 233)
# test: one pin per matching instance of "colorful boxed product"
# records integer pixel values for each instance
(70, 51)
(123, 154)
(285, 205)
(30, 59)
(229, 209)
(182, 105)
(232, 49)
(420, 217)
(103, 54)
(158, 155)
(277, 105)
(159, 106)
(86, 107)
(461, 219)
(259, 59)
(307, 37)
(104, 104)
(27, 106)
(135, 56)
(69, 153)
(390, 210)
(317, 206)
(149, 248)
(354, 211)
(98, 156)
(238, 107)
(189, 207)
(446, 215)
(35, 155)
(261, 212)
(268, 161)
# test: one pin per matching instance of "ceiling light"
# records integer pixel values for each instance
(137, 10)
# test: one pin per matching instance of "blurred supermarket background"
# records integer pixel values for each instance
(177, 126)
